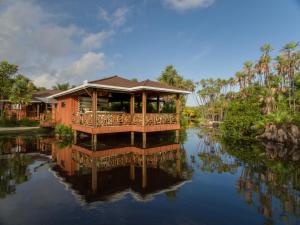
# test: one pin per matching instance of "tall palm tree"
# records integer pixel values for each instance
(61, 87)
(249, 71)
(263, 65)
(289, 51)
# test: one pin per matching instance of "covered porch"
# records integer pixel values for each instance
(96, 111)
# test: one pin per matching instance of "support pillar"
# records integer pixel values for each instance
(94, 142)
(94, 175)
(177, 136)
(132, 172)
(132, 138)
(178, 108)
(38, 111)
(132, 103)
(144, 139)
(178, 162)
(158, 104)
(144, 107)
(94, 107)
(144, 172)
(75, 136)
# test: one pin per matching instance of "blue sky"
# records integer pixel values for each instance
(57, 41)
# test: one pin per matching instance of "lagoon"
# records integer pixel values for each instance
(200, 180)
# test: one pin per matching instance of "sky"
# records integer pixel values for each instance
(74, 40)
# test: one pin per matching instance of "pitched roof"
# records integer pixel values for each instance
(156, 84)
(116, 81)
(41, 96)
(45, 93)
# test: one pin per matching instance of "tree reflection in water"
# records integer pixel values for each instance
(269, 174)
(14, 160)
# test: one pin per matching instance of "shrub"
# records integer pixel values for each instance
(63, 131)
(12, 122)
(240, 120)
(28, 123)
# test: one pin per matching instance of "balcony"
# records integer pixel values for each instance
(108, 122)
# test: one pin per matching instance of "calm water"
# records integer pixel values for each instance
(198, 181)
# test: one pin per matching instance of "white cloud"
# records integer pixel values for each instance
(95, 40)
(46, 51)
(115, 18)
(182, 5)
(89, 64)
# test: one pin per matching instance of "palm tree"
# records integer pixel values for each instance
(61, 87)
(249, 71)
(289, 51)
(263, 65)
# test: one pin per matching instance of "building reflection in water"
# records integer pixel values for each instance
(118, 166)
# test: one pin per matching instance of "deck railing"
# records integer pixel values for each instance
(160, 118)
(110, 119)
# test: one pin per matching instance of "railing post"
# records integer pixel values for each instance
(177, 108)
(144, 106)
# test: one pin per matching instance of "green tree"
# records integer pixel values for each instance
(61, 87)
(21, 91)
(7, 71)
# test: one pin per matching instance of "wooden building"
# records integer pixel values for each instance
(116, 104)
(38, 108)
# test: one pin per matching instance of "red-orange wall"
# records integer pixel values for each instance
(63, 115)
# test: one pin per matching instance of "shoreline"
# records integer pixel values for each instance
(4, 129)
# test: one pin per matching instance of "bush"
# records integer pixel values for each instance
(28, 123)
(240, 120)
(296, 119)
(63, 131)
(4, 122)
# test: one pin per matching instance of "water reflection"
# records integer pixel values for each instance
(109, 173)
(265, 177)
(268, 174)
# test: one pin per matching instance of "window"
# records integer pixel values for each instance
(16, 106)
(63, 104)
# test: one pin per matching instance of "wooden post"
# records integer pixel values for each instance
(144, 172)
(38, 111)
(144, 139)
(75, 136)
(132, 137)
(132, 171)
(132, 104)
(144, 107)
(94, 175)
(158, 104)
(177, 136)
(177, 109)
(94, 142)
(94, 107)
(178, 162)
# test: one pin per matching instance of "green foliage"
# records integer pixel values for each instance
(61, 87)
(21, 91)
(240, 120)
(296, 119)
(4, 122)
(7, 71)
(63, 131)
(171, 77)
(279, 117)
(183, 120)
